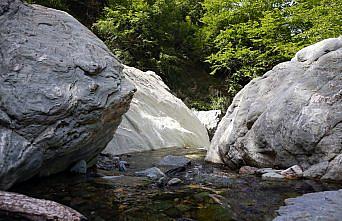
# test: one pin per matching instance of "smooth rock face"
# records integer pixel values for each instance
(210, 119)
(156, 119)
(312, 206)
(290, 116)
(62, 93)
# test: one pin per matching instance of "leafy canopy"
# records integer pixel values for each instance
(243, 39)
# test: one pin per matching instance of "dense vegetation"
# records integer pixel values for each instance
(234, 40)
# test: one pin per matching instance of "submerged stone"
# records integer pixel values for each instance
(272, 176)
(153, 173)
(80, 167)
(174, 181)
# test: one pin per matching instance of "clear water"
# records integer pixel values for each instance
(216, 194)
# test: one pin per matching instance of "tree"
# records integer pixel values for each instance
(151, 34)
(245, 38)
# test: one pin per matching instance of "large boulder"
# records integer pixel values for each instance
(291, 115)
(156, 119)
(62, 93)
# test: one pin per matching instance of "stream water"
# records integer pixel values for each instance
(208, 192)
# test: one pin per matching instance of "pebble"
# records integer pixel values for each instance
(272, 176)
(174, 181)
(293, 172)
(152, 173)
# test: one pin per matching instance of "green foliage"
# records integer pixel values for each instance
(57, 4)
(86, 11)
(151, 34)
(245, 38)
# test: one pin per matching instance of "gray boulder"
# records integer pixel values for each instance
(312, 206)
(290, 116)
(62, 93)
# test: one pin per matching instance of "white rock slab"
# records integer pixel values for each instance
(156, 119)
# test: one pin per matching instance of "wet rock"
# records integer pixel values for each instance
(174, 161)
(262, 171)
(111, 177)
(248, 170)
(272, 176)
(316, 171)
(161, 182)
(312, 206)
(174, 181)
(80, 167)
(334, 171)
(122, 166)
(152, 173)
(293, 172)
(156, 119)
(218, 180)
(290, 116)
(107, 162)
(62, 92)
(175, 171)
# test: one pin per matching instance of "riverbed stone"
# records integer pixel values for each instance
(293, 172)
(153, 173)
(80, 167)
(248, 170)
(272, 176)
(262, 171)
(174, 181)
(290, 116)
(312, 206)
(62, 92)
